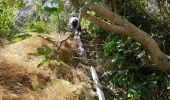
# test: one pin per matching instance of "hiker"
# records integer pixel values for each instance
(73, 23)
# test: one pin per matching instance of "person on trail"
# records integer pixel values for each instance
(73, 23)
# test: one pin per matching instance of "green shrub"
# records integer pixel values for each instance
(39, 26)
(7, 9)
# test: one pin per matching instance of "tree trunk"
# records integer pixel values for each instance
(120, 25)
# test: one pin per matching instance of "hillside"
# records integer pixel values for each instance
(84, 50)
(20, 79)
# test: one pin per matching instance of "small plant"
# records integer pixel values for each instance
(43, 51)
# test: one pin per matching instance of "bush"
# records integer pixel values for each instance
(7, 9)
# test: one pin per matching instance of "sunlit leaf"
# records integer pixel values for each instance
(18, 38)
(35, 7)
(115, 58)
(140, 55)
(42, 63)
(168, 85)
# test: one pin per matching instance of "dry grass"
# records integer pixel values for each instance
(20, 79)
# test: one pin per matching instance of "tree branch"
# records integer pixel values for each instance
(106, 13)
(121, 25)
(105, 25)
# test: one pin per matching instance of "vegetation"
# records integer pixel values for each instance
(7, 8)
(135, 41)
(128, 78)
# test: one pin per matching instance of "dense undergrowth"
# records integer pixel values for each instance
(128, 77)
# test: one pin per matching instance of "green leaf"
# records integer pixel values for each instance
(168, 85)
(42, 63)
(19, 38)
(115, 58)
(44, 50)
(50, 9)
(60, 7)
(140, 55)
(35, 7)
(48, 49)
(41, 51)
